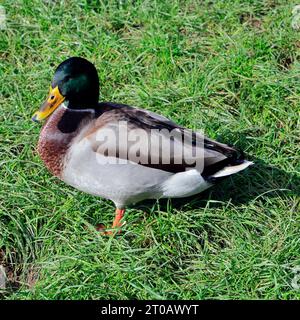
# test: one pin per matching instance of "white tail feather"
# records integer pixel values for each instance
(227, 171)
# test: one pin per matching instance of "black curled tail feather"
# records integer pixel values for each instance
(233, 155)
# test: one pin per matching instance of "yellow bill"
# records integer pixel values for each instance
(52, 102)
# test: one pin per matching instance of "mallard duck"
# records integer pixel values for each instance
(120, 152)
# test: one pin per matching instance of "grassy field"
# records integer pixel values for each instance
(230, 68)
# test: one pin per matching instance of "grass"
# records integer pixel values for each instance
(230, 68)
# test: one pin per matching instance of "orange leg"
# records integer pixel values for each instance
(119, 215)
(116, 223)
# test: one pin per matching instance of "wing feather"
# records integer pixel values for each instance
(153, 132)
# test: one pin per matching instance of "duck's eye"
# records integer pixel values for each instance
(52, 97)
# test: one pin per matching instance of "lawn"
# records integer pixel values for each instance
(230, 68)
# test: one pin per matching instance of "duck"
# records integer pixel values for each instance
(120, 152)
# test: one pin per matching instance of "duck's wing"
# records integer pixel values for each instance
(141, 136)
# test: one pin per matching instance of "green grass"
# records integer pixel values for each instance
(230, 68)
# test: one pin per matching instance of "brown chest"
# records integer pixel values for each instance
(52, 153)
(55, 139)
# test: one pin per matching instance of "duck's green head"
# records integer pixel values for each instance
(75, 83)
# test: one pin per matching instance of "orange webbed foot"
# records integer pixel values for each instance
(116, 224)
